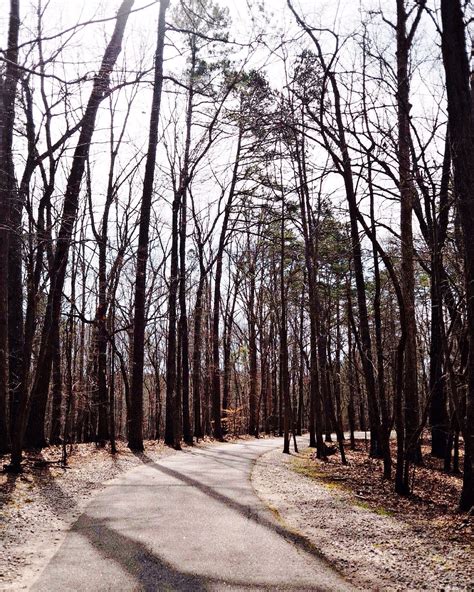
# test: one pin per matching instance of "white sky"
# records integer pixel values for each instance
(86, 46)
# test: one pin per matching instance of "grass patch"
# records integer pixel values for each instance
(376, 510)
(304, 465)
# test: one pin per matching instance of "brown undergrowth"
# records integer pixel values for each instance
(431, 506)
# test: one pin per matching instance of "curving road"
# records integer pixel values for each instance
(189, 522)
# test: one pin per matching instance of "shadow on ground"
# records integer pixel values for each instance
(152, 572)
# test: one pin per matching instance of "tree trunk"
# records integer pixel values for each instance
(39, 390)
(57, 394)
(461, 131)
(284, 371)
(7, 197)
(197, 355)
(407, 279)
(183, 317)
(309, 235)
(135, 427)
(216, 373)
(252, 336)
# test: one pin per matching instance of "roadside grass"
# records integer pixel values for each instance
(303, 464)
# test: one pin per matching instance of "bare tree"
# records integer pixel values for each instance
(135, 438)
(461, 129)
(39, 390)
(8, 205)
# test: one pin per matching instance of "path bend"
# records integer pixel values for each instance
(191, 522)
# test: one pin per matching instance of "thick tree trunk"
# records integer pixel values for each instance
(461, 130)
(15, 303)
(135, 426)
(8, 194)
(439, 417)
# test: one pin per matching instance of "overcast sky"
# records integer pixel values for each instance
(87, 44)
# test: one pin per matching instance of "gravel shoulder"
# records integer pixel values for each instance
(38, 507)
(373, 550)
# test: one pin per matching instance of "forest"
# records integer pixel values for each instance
(229, 218)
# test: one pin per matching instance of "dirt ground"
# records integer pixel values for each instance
(377, 539)
(432, 505)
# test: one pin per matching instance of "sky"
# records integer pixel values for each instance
(275, 21)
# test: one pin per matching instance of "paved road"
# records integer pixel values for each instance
(190, 522)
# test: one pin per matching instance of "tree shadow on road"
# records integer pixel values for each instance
(257, 512)
(152, 572)
(149, 570)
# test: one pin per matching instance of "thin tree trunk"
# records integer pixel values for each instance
(315, 408)
(197, 355)
(410, 380)
(57, 394)
(183, 318)
(284, 370)
(216, 373)
(39, 391)
(252, 337)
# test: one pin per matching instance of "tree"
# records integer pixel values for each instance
(336, 137)
(410, 380)
(39, 390)
(8, 206)
(461, 135)
(135, 439)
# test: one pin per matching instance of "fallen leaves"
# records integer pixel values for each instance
(432, 506)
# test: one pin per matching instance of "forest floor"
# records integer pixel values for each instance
(377, 539)
(40, 504)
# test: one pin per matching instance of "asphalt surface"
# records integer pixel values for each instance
(190, 522)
